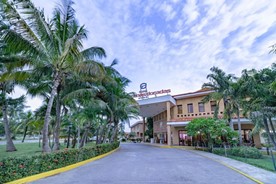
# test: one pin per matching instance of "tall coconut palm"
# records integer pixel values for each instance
(220, 83)
(121, 105)
(56, 44)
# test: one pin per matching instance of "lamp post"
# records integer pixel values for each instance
(69, 131)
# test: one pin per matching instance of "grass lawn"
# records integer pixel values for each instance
(27, 149)
(265, 162)
(22, 150)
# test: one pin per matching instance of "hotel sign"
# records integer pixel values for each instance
(143, 93)
(146, 94)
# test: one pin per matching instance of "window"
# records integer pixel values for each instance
(190, 108)
(201, 107)
(213, 105)
(179, 109)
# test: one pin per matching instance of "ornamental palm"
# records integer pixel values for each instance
(56, 44)
(220, 83)
(261, 100)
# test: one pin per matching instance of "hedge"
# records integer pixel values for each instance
(242, 151)
(14, 168)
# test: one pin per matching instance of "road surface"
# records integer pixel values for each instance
(139, 163)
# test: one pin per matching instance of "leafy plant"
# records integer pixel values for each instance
(14, 168)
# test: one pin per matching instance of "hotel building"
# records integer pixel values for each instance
(138, 129)
(171, 114)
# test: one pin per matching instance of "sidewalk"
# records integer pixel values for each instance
(243, 168)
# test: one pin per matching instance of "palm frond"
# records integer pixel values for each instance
(19, 27)
(79, 94)
(93, 52)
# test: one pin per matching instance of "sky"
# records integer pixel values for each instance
(173, 44)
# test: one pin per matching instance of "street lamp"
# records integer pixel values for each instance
(69, 131)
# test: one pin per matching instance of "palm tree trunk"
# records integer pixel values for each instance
(84, 136)
(25, 133)
(114, 134)
(268, 132)
(239, 126)
(45, 145)
(101, 134)
(273, 130)
(74, 141)
(57, 126)
(97, 136)
(228, 112)
(9, 145)
(272, 127)
(107, 133)
(216, 111)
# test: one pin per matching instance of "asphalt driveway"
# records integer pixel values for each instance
(139, 163)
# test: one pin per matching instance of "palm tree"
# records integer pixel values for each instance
(236, 97)
(261, 101)
(121, 105)
(56, 44)
(220, 83)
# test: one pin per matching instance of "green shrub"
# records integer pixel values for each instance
(220, 151)
(13, 168)
(242, 151)
(246, 152)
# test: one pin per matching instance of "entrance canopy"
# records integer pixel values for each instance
(150, 107)
(178, 123)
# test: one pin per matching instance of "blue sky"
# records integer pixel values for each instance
(173, 44)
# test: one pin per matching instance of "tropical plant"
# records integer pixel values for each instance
(261, 100)
(56, 44)
(220, 83)
(216, 131)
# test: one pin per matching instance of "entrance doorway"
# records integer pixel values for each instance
(184, 139)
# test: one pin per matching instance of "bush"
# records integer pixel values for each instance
(242, 151)
(220, 151)
(246, 152)
(18, 167)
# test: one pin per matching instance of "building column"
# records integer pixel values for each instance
(144, 128)
(169, 141)
(169, 135)
(168, 111)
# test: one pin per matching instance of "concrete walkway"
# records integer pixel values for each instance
(252, 171)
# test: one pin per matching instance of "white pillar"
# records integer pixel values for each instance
(144, 128)
(168, 111)
(169, 135)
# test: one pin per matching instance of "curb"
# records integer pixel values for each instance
(60, 170)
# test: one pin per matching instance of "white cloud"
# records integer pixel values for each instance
(168, 10)
(190, 11)
(179, 58)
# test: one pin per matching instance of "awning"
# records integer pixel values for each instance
(150, 107)
(178, 123)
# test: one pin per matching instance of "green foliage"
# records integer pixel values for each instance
(264, 162)
(13, 168)
(246, 152)
(149, 131)
(241, 151)
(212, 130)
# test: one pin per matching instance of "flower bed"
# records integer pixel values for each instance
(14, 168)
